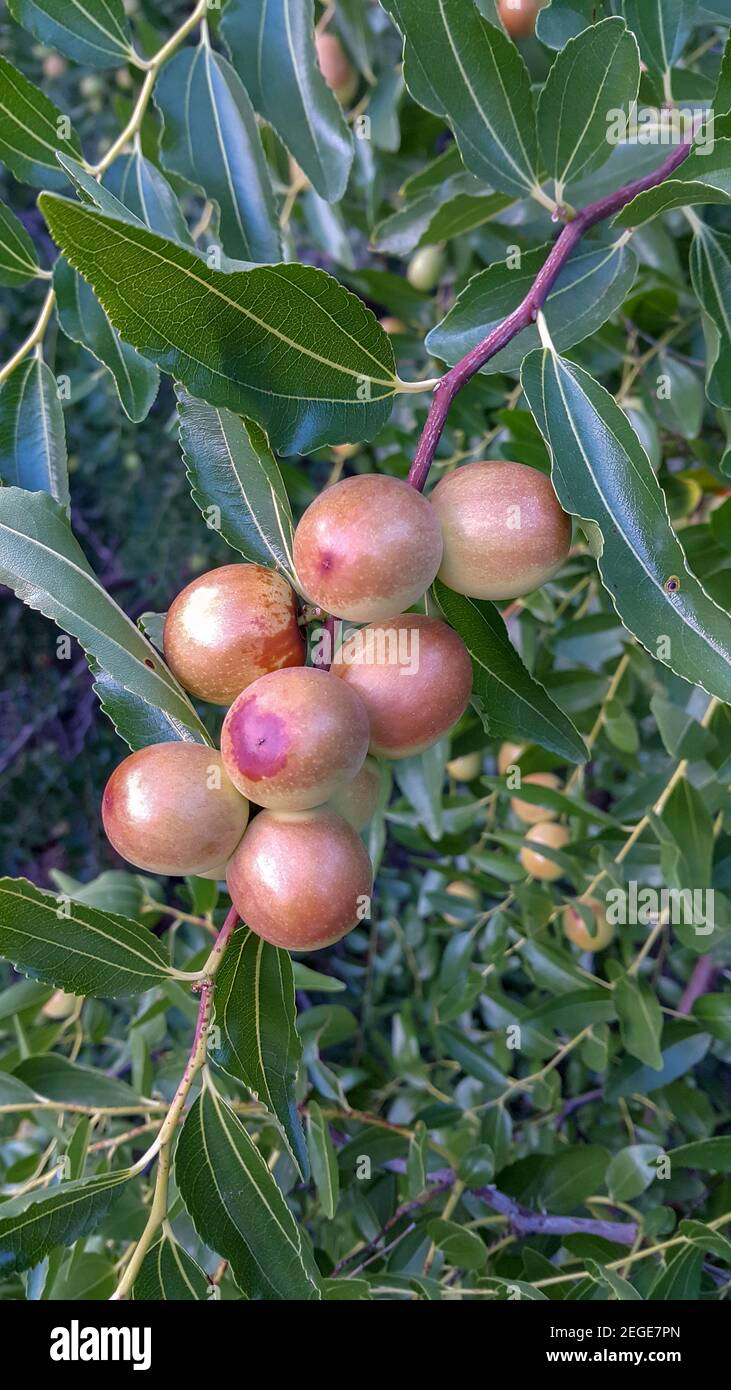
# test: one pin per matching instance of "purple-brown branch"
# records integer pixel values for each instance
(527, 312)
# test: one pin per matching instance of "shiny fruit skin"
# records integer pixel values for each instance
(367, 547)
(544, 832)
(335, 67)
(293, 738)
(358, 799)
(300, 880)
(530, 811)
(519, 17)
(575, 928)
(425, 268)
(505, 532)
(170, 809)
(460, 888)
(466, 768)
(508, 754)
(407, 712)
(230, 626)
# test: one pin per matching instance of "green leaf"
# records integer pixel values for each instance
(591, 287)
(32, 131)
(713, 1012)
(462, 1248)
(687, 818)
(210, 137)
(710, 273)
(662, 28)
(76, 948)
(168, 1274)
(632, 1170)
(140, 186)
(640, 1021)
(323, 1160)
(470, 73)
(272, 48)
(711, 1241)
(32, 432)
(602, 474)
(237, 1208)
(136, 721)
(44, 564)
(56, 1078)
(93, 1279)
(561, 20)
(597, 72)
(453, 208)
(92, 32)
(704, 177)
(233, 471)
(31, 1226)
(258, 1041)
(82, 318)
(18, 259)
(621, 1288)
(710, 1155)
(681, 1278)
(683, 1048)
(285, 344)
(510, 701)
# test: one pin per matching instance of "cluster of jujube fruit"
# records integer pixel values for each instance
(295, 738)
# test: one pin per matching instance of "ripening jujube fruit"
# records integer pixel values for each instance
(293, 738)
(414, 676)
(357, 800)
(519, 17)
(554, 836)
(469, 894)
(230, 626)
(60, 1005)
(425, 268)
(300, 880)
(508, 753)
(367, 547)
(576, 930)
(505, 531)
(337, 71)
(171, 809)
(530, 811)
(465, 768)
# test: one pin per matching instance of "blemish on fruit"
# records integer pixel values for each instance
(259, 740)
(672, 585)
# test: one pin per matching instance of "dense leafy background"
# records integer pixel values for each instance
(402, 1052)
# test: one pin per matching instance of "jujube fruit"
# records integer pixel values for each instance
(505, 531)
(425, 268)
(554, 836)
(391, 325)
(300, 880)
(414, 676)
(465, 768)
(171, 809)
(60, 1005)
(508, 753)
(367, 547)
(576, 930)
(292, 739)
(519, 17)
(530, 811)
(460, 888)
(230, 626)
(337, 71)
(358, 799)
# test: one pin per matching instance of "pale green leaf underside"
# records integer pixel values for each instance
(168, 1274)
(602, 474)
(285, 344)
(82, 318)
(232, 469)
(43, 563)
(710, 271)
(18, 260)
(32, 432)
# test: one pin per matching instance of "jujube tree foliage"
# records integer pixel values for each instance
(433, 296)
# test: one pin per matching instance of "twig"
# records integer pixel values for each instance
(526, 313)
(701, 980)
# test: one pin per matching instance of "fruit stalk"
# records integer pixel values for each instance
(527, 311)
